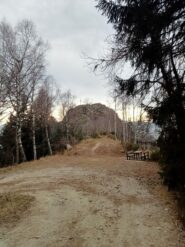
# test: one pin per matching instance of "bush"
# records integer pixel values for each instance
(135, 147)
(155, 156)
(79, 136)
(131, 147)
(95, 135)
(172, 159)
(111, 136)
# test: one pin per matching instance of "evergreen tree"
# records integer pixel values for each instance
(151, 35)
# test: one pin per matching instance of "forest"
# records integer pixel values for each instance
(28, 97)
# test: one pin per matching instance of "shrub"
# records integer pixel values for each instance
(155, 155)
(131, 147)
(95, 135)
(135, 147)
(112, 136)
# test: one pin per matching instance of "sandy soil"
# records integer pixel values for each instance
(91, 197)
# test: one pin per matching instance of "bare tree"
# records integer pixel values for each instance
(43, 105)
(22, 64)
(32, 108)
(124, 101)
(115, 117)
(67, 102)
(4, 106)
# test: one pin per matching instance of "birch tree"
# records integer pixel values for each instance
(67, 102)
(22, 64)
(43, 105)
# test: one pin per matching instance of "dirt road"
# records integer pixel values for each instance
(91, 197)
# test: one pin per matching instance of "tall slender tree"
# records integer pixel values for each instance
(43, 105)
(67, 100)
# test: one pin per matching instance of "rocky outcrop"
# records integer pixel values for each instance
(92, 120)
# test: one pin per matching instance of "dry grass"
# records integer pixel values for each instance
(99, 146)
(104, 146)
(13, 207)
(30, 164)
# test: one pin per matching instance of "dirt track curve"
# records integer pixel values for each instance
(91, 197)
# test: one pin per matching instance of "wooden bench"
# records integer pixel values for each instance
(130, 155)
(145, 155)
(138, 155)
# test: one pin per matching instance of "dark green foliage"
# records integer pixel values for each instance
(151, 35)
(27, 137)
(111, 136)
(7, 139)
(155, 156)
(95, 135)
(131, 147)
(7, 142)
(56, 141)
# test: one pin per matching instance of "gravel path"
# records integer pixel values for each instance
(97, 201)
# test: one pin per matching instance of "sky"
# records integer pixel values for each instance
(72, 28)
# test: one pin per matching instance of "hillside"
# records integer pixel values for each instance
(97, 147)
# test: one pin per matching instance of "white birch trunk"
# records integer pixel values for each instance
(126, 125)
(48, 140)
(115, 122)
(33, 125)
(123, 123)
(19, 139)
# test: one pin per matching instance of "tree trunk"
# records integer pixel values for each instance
(115, 121)
(67, 132)
(17, 145)
(123, 123)
(48, 140)
(19, 133)
(33, 136)
(33, 123)
(126, 124)
(67, 128)
(134, 122)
